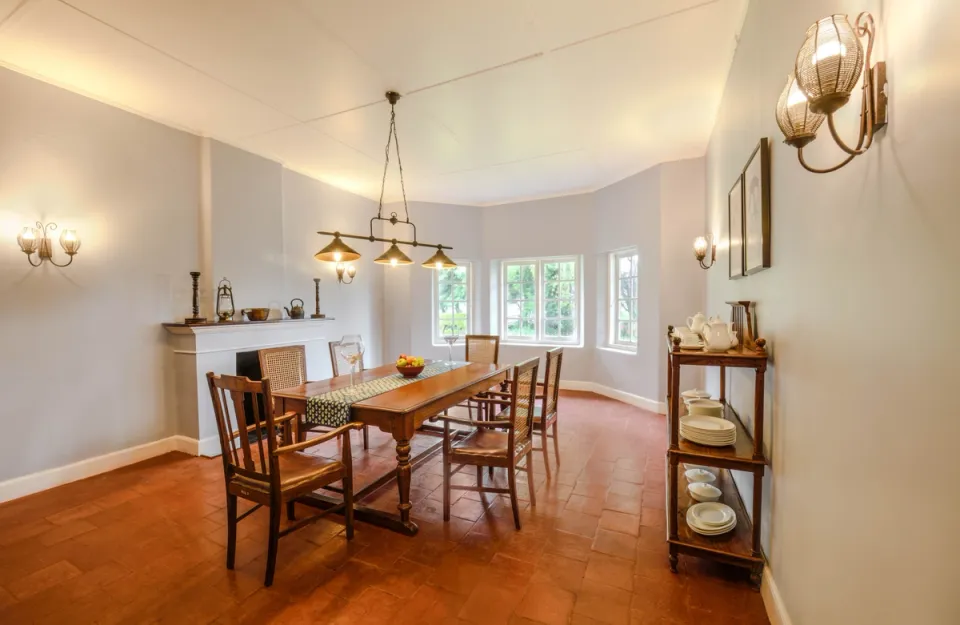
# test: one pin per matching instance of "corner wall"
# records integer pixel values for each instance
(858, 311)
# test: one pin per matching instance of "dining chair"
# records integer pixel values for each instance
(485, 447)
(269, 470)
(335, 367)
(484, 349)
(545, 413)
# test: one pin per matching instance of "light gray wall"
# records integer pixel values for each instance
(83, 354)
(858, 308)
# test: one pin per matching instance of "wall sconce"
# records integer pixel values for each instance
(350, 270)
(35, 240)
(700, 247)
(827, 68)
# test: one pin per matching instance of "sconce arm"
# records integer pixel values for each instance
(56, 264)
(822, 171)
(30, 260)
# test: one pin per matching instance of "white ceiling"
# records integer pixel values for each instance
(503, 99)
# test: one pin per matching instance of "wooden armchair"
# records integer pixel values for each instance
(261, 468)
(482, 348)
(486, 447)
(545, 414)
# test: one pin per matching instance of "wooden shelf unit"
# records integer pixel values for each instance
(741, 546)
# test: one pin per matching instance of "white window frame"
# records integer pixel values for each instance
(540, 337)
(614, 299)
(437, 331)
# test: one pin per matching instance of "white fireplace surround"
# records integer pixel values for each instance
(197, 349)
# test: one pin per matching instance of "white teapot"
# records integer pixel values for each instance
(695, 323)
(718, 336)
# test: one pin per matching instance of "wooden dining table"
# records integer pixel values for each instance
(398, 412)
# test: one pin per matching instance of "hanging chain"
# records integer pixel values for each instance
(392, 135)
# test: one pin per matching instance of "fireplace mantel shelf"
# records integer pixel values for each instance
(193, 328)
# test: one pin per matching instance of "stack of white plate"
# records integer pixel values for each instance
(711, 519)
(710, 431)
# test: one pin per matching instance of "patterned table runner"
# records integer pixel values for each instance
(333, 409)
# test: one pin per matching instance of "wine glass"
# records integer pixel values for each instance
(351, 350)
(451, 334)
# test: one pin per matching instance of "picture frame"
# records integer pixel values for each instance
(735, 228)
(756, 209)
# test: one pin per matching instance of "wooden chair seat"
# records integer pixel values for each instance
(296, 469)
(484, 443)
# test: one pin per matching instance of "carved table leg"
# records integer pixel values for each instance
(403, 483)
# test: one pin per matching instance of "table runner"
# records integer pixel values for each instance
(333, 409)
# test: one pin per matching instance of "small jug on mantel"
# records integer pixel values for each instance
(696, 322)
(718, 336)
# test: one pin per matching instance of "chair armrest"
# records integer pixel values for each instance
(477, 424)
(323, 438)
(491, 400)
(286, 417)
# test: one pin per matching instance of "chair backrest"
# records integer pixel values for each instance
(551, 381)
(522, 400)
(285, 366)
(482, 348)
(335, 358)
(248, 450)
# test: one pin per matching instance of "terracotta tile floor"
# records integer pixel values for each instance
(145, 544)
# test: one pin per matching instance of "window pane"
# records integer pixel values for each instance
(445, 290)
(529, 290)
(551, 290)
(624, 310)
(633, 332)
(528, 328)
(529, 308)
(513, 327)
(623, 331)
(551, 328)
(627, 288)
(566, 328)
(568, 270)
(513, 273)
(513, 309)
(460, 292)
(565, 289)
(566, 308)
(551, 271)
(460, 308)
(528, 273)
(514, 291)
(445, 308)
(551, 308)
(633, 310)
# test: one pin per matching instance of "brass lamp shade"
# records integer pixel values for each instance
(393, 256)
(337, 252)
(798, 123)
(439, 261)
(829, 63)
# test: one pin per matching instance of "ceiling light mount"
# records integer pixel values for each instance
(337, 251)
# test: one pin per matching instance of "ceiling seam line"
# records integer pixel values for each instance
(178, 60)
(635, 25)
(15, 10)
(514, 162)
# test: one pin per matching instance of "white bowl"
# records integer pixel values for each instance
(702, 491)
(695, 393)
(706, 407)
(700, 475)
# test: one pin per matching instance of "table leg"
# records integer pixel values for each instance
(403, 482)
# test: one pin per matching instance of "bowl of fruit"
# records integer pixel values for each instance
(410, 366)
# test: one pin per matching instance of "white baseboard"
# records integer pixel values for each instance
(776, 611)
(49, 478)
(628, 398)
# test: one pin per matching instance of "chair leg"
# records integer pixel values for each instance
(274, 539)
(348, 505)
(291, 511)
(543, 444)
(530, 484)
(366, 437)
(512, 478)
(479, 475)
(556, 444)
(446, 470)
(231, 530)
(490, 472)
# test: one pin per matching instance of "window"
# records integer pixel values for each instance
(541, 300)
(451, 300)
(623, 297)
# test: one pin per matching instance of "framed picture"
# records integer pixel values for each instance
(735, 221)
(756, 210)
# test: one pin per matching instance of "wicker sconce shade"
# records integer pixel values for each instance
(797, 122)
(829, 63)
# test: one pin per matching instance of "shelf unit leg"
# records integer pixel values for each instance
(672, 517)
(723, 384)
(758, 414)
(757, 511)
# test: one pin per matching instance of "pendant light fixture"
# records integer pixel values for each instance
(339, 252)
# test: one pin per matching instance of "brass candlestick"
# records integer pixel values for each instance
(196, 318)
(316, 289)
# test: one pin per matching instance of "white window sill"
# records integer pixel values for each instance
(619, 349)
(564, 345)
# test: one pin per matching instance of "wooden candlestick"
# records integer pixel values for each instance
(316, 288)
(196, 318)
